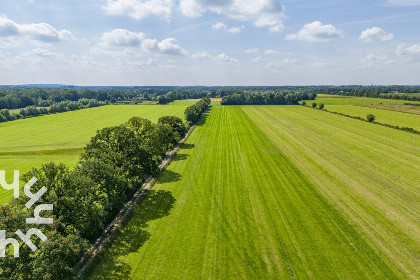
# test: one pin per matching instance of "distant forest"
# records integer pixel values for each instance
(14, 97)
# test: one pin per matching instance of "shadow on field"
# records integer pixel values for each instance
(204, 118)
(132, 236)
(168, 176)
(179, 157)
(187, 146)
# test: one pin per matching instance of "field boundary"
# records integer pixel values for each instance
(367, 106)
(406, 129)
(97, 246)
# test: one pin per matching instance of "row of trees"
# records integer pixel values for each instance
(268, 98)
(387, 92)
(115, 163)
(194, 112)
(59, 107)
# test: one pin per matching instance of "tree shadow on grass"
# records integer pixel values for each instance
(131, 236)
(168, 176)
(203, 119)
(187, 146)
(179, 157)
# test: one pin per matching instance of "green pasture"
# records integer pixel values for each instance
(350, 100)
(61, 137)
(277, 192)
(384, 116)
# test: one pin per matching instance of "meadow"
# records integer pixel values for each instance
(61, 137)
(387, 111)
(277, 192)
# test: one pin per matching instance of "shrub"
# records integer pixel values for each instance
(303, 103)
(321, 106)
(370, 118)
(314, 105)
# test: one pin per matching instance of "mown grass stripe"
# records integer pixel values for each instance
(242, 209)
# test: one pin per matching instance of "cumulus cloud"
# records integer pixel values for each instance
(282, 63)
(139, 9)
(271, 52)
(316, 32)
(221, 58)
(409, 51)
(374, 61)
(375, 34)
(219, 26)
(252, 50)
(222, 26)
(263, 13)
(257, 59)
(128, 40)
(35, 31)
(224, 58)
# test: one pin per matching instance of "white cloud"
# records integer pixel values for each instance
(410, 51)
(263, 13)
(234, 30)
(44, 53)
(224, 58)
(219, 26)
(269, 52)
(316, 32)
(257, 59)
(201, 55)
(375, 34)
(130, 42)
(374, 61)
(139, 9)
(123, 38)
(170, 46)
(35, 31)
(222, 26)
(282, 63)
(251, 50)
(404, 2)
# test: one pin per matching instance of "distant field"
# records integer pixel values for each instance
(61, 137)
(350, 100)
(278, 192)
(384, 116)
(397, 107)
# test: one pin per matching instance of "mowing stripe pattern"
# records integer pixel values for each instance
(238, 202)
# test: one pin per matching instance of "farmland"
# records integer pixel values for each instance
(277, 192)
(61, 137)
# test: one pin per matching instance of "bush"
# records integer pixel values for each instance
(314, 105)
(370, 118)
(321, 106)
(303, 103)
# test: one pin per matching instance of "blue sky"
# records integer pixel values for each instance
(210, 42)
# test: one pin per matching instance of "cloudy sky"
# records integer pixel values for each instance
(210, 42)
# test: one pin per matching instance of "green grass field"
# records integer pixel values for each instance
(350, 100)
(384, 116)
(278, 192)
(61, 137)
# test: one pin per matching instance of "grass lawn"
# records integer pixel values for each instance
(61, 137)
(278, 192)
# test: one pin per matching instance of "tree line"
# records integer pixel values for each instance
(386, 92)
(194, 112)
(114, 164)
(63, 106)
(285, 97)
